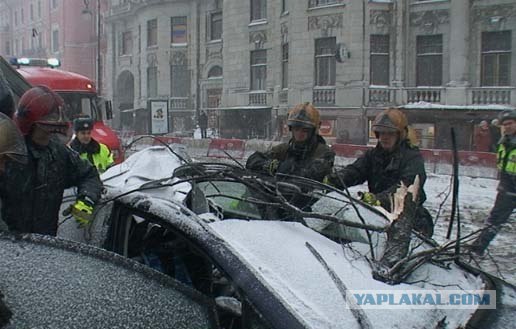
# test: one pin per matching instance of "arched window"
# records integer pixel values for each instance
(215, 72)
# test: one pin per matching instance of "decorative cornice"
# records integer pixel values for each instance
(494, 17)
(178, 58)
(152, 59)
(258, 38)
(429, 21)
(381, 19)
(325, 22)
(214, 52)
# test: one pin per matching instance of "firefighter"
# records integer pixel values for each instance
(506, 197)
(32, 193)
(393, 160)
(96, 153)
(12, 148)
(306, 154)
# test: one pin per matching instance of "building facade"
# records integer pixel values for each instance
(447, 63)
(67, 30)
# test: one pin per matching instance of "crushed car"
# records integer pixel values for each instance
(276, 253)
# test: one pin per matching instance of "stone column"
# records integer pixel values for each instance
(459, 40)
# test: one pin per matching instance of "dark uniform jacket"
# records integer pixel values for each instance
(312, 160)
(383, 172)
(32, 194)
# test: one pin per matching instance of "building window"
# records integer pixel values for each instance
(39, 9)
(429, 61)
(258, 69)
(152, 81)
(8, 48)
(22, 16)
(319, 3)
(178, 29)
(284, 66)
(379, 57)
(55, 41)
(214, 95)
(215, 72)
(179, 80)
(325, 61)
(31, 12)
(54, 4)
(216, 26)
(496, 58)
(127, 43)
(258, 9)
(283, 6)
(152, 32)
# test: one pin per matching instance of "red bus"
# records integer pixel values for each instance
(79, 94)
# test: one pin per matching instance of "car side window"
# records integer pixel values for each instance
(140, 238)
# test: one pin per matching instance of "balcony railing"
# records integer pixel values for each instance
(381, 95)
(491, 95)
(259, 98)
(421, 94)
(324, 96)
(179, 103)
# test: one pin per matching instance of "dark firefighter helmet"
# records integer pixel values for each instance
(391, 120)
(508, 115)
(12, 143)
(40, 105)
(83, 124)
(304, 115)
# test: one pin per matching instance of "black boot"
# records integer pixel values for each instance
(483, 240)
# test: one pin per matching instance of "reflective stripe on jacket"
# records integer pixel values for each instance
(506, 158)
(102, 159)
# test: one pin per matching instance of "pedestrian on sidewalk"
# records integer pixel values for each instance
(203, 124)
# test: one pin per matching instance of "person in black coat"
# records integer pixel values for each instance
(393, 160)
(32, 193)
(203, 124)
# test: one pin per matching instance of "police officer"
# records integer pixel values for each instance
(96, 153)
(393, 160)
(32, 193)
(506, 197)
(306, 154)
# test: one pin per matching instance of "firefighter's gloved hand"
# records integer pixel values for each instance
(288, 166)
(369, 198)
(82, 211)
(271, 166)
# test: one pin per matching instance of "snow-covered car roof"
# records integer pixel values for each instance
(47, 282)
